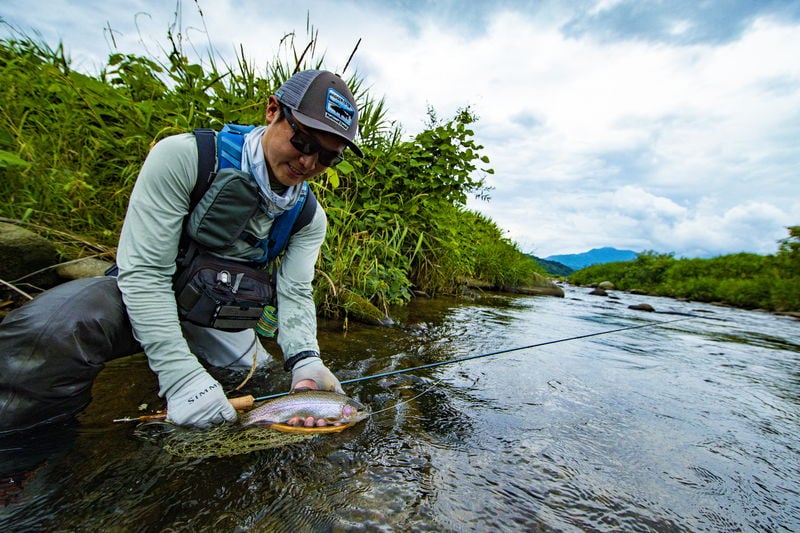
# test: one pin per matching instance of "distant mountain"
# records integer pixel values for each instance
(553, 267)
(596, 256)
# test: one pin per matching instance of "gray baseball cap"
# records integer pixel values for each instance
(321, 100)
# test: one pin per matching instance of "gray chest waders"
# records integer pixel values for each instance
(53, 347)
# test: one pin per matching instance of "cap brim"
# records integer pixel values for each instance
(315, 124)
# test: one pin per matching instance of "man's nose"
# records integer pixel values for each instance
(308, 161)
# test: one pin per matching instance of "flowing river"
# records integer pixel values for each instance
(691, 425)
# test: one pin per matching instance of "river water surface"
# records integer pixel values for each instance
(687, 426)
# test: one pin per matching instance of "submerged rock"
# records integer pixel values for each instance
(555, 290)
(539, 286)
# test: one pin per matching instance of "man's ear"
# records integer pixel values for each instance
(273, 111)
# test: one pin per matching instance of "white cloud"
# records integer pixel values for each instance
(604, 5)
(753, 227)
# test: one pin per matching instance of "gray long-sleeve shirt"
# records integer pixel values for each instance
(147, 252)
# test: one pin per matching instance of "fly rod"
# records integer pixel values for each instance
(246, 402)
(478, 356)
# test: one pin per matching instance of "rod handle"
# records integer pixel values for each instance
(242, 403)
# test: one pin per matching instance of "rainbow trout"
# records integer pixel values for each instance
(334, 407)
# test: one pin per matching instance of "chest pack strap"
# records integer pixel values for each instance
(230, 143)
(206, 155)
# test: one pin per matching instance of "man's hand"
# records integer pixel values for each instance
(311, 373)
(200, 402)
(313, 369)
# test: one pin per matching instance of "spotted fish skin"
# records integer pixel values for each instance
(332, 406)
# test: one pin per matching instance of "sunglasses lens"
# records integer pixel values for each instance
(303, 143)
(330, 159)
(308, 145)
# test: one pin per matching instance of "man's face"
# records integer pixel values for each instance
(286, 163)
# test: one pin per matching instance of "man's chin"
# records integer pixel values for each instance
(290, 178)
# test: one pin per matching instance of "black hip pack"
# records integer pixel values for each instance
(222, 294)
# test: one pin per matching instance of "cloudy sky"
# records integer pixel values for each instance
(669, 125)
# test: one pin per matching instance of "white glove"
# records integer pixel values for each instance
(200, 402)
(313, 368)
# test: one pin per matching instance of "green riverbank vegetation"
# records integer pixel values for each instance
(746, 280)
(71, 145)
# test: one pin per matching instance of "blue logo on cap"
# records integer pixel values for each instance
(339, 110)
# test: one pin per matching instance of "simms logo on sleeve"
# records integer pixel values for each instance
(339, 110)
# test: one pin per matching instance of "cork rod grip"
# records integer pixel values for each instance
(242, 403)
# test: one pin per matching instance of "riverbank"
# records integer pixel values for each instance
(31, 263)
(744, 281)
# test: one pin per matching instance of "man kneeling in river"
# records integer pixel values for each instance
(311, 119)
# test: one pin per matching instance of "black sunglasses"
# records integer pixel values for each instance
(307, 144)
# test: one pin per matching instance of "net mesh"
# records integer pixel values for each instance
(221, 441)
